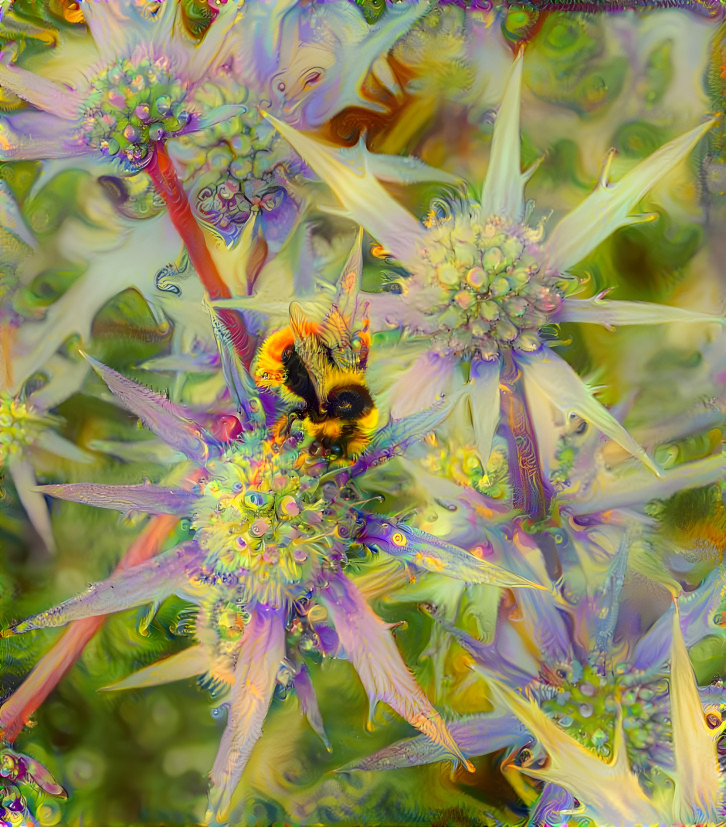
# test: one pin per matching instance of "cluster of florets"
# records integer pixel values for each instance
(481, 285)
(462, 464)
(588, 710)
(134, 104)
(265, 519)
(436, 49)
(239, 165)
(18, 426)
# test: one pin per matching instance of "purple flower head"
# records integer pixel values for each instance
(19, 775)
(137, 92)
(277, 526)
(601, 709)
(484, 285)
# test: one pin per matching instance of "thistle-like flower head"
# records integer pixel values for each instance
(481, 285)
(137, 93)
(483, 282)
(278, 532)
(27, 437)
(295, 62)
(262, 510)
(613, 729)
(134, 103)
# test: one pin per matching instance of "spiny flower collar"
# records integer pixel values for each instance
(275, 534)
(483, 282)
(610, 730)
(138, 94)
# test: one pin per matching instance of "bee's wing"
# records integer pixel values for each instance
(310, 347)
(338, 339)
(345, 329)
(346, 298)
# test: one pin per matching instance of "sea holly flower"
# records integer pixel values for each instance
(136, 95)
(697, 796)
(27, 438)
(242, 168)
(484, 283)
(277, 530)
(19, 774)
(127, 105)
(153, 84)
(611, 729)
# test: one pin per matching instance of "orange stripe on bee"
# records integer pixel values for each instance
(330, 428)
(302, 327)
(269, 368)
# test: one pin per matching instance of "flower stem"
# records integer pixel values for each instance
(528, 489)
(166, 182)
(6, 363)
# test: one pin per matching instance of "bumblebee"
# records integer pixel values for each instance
(320, 366)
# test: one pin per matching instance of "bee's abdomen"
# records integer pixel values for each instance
(349, 401)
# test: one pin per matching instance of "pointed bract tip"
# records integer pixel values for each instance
(713, 120)
(352, 766)
(99, 367)
(278, 124)
(606, 167)
(652, 465)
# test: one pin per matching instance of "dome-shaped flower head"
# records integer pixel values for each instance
(278, 531)
(135, 95)
(127, 104)
(483, 282)
(301, 62)
(614, 718)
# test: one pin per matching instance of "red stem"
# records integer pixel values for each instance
(51, 668)
(529, 492)
(163, 175)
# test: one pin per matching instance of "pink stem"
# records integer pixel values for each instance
(529, 492)
(163, 175)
